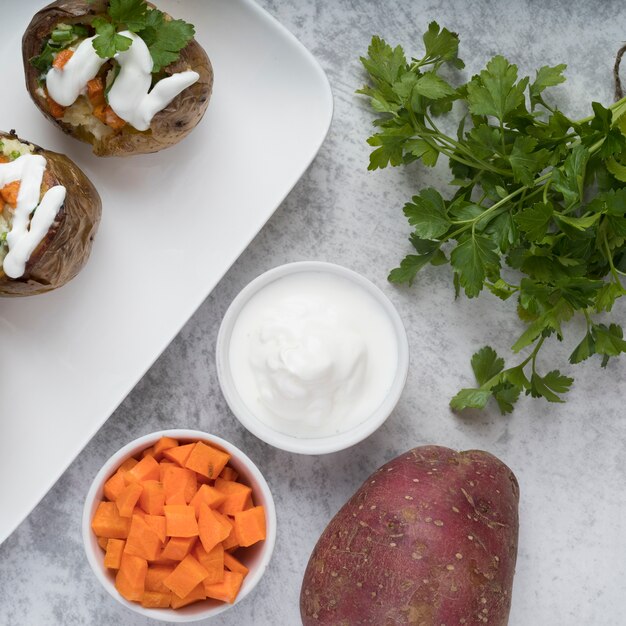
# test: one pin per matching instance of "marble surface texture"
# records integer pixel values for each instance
(569, 458)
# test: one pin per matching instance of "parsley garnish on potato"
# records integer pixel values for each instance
(533, 191)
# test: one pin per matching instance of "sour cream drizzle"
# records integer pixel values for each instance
(128, 96)
(26, 233)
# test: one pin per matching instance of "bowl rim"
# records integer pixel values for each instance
(95, 492)
(311, 445)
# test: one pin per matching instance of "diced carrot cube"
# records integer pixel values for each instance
(177, 548)
(62, 58)
(228, 473)
(250, 526)
(211, 527)
(128, 464)
(113, 556)
(146, 469)
(165, 443)
(128, 498)
(206, 460)
(177, 480)
(187, 575)
(209, 495)
(234, 565)
(152, 497)
(103, 542)
(10, 192)
(142, 540)
(95, 91)
(180, 520)
(156, 600)
(131, 577)
(231, 542)
(212, 561)
(196, 594)
(157, 523)
(227, 590)
(107, 522)
(114, 486)
(148, 452)
(237, 495)
(156, 575)
(179, 454)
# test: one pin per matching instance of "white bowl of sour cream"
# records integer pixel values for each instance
(312, 357)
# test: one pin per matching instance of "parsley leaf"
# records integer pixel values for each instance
(486, 364)
(129, 13)
(108, 42)
(427, 214)
(472, 260)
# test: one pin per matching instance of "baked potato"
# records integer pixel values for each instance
(49, 214)
(79, 36)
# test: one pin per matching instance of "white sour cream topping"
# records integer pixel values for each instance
(313, 354)
(27, 233)
(128, 96)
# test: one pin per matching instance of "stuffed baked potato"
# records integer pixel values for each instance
(49, 214)
(123, 76)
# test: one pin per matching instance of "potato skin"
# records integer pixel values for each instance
(430, 539)
(66, 247)
(168, 127)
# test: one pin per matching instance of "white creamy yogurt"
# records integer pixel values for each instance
(128, 96)
(313, 354)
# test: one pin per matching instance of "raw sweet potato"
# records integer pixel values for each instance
(429, 539)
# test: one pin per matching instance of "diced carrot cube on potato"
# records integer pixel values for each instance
(107, 522)
(155, 576)
(212, 561)
(234, 565)
(250, 526)
(196, 594)
(227, 590)
(180, 520)
(206, 460)
(131, 577)
(152, 497)
(113, 556)
(187, 575)
(179, 454)
(128, 498)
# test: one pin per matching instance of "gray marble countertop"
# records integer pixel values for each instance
(569, 458)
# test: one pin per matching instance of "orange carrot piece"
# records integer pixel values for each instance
(213, 562)
(180, 520)
(187, 575)
(62, 58)
(131, 577)
(163, 444)
(156, 600)
(143, 540)
(156, 575)
(107, 522)
(128, 498)
(209, 495)
(211, 528)
(231, 542)
(103, 542)
(152, 497)
(237, 496)
(177, 548)
(197, 593)
(95, 90)
(228, 473)
(56, 110)
(148, 452)
(157, 523)
(177, 480)
(249, 504)
(250, 526)
(146, 469)
(114, 486)
(179, 454)
(108, 116)
(128, 464)
(206, 460)
(234, 565)
(113, 556)
(10, 192)
(227, 590)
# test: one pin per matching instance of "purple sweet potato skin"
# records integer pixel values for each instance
(430, 539)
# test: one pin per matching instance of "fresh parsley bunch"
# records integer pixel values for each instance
(164, 37)
(533, 190)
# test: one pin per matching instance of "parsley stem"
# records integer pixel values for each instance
(609, 257)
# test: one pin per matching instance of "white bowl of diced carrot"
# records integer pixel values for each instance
(179, 525)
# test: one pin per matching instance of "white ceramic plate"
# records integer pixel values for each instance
(172, 224)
